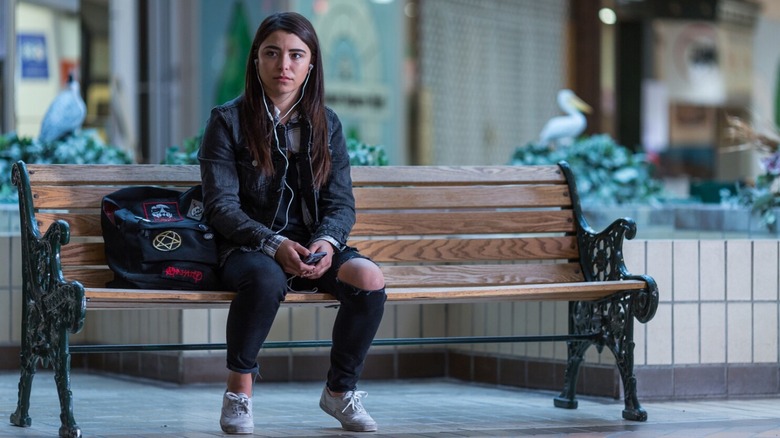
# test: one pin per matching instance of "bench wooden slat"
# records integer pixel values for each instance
(393, 224)
(481, 275)
(584, 291)
(114, 175)
(154, 174)
(80, 254)
(479, 222)
(77, 197)
(95, 294)
(462, 197)
(404, 250)
(448, 175)
(81, 224)
(96, 276)
(450, 250)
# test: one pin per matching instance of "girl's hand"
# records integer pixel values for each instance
(290, 255)
(316, 270)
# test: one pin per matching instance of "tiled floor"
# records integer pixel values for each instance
(109, 406)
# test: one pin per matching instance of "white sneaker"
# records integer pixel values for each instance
(348, 409)
(236, 414)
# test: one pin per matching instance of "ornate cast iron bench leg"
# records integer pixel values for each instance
(583, 319)
(612, 320)
(641, 306)
(52, 308)
(21, 417)
(568, 397)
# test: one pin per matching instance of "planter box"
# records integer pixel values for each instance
(681, 221)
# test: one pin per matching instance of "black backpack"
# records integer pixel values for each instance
(156, 238)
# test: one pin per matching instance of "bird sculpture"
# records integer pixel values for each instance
(66, 113)
(562, 130)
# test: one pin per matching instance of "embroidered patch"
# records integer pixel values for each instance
(192, 275)
(162, 211)
(167, 241)
(196, 210)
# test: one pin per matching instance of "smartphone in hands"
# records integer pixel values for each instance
(314, 257)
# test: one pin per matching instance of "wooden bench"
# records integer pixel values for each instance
(441, 235)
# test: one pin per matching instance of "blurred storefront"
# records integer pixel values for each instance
(686, 67)
(434, 82)
(151, 70)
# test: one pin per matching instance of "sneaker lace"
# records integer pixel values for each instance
(239, 405)
(355, 403)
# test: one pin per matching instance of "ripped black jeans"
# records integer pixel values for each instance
(262, 284)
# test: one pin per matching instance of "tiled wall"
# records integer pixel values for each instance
(10, 275)
(719, 301)
(10, 289)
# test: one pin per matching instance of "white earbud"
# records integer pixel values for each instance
(311, 66)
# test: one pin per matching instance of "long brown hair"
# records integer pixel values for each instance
(257, 128)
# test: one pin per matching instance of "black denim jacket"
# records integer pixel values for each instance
(240, 202)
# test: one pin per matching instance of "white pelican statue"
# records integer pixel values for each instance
(65, 114)
(562, 130)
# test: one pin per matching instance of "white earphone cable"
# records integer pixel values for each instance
(276, 123)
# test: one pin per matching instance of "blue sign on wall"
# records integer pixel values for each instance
(32, 56)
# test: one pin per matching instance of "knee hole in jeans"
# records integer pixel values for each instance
(361, 274)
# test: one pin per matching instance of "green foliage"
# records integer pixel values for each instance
(606, 173)
(763, 197)
(83, 147)
(360, 154)
(186, 154)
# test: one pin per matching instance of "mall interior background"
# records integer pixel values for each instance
(443, 82)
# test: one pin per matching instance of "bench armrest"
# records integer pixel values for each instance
(601, 253)
(49, 300)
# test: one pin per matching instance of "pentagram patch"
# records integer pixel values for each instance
(166, 241)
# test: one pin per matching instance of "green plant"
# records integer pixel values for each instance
(186, 154)
(606, 173)
(360, 154)
(83, 147)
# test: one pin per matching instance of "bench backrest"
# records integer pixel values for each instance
(426, 225)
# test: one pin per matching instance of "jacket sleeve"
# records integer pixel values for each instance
(219, 176)
(336, 200)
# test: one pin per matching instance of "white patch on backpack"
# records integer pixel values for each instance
(161, 211)
(195, 211)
